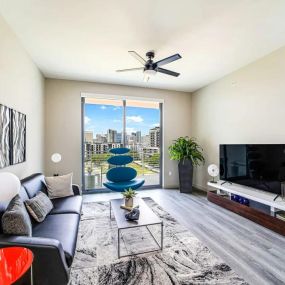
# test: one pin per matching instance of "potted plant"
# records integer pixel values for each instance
(189, 154)
(129, 195)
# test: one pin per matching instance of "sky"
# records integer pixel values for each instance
(100, 118)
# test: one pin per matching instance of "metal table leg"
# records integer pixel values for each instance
(118, 243)
(161, 242)
(110, 209)
(32, 279)
(160, 246)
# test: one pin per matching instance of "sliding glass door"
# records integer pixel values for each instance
(102, 131)
(109, 123)
(143, 138)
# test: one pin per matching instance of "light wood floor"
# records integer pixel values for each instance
(255, 253)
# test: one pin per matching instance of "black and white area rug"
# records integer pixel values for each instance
(184, 259)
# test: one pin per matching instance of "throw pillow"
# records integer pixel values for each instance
(59, 186)
(16, 220)
(39, 206)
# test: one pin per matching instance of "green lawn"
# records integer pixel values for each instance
(140, 170)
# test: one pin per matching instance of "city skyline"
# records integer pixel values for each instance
(110, 117)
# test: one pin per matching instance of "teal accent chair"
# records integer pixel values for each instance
(121, 177)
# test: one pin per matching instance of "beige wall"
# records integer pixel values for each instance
(63, 122)
(22, 88)
(247, 106)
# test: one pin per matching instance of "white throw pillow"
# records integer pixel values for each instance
(59, 186)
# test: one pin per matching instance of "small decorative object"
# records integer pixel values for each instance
(240, 199)
(129, 195)
(9, 186)
(235, 197)
(134, 214)
(213, 171)
(189, 154)
(56, 158)
(245, 201)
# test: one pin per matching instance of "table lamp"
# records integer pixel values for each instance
(56, 158)
(9, 186)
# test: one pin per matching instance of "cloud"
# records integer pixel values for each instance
(135, 119)
(116, 108)
(130, 130)
(117, 121)
(103, 107)
(90, 128)
(86, 120)
(155, 125)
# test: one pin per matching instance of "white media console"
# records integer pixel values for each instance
(253, 194)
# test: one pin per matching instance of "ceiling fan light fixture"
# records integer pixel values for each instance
(150, 68)
(149, 72)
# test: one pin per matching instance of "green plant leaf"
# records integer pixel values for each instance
(129, 193)
(186, 148)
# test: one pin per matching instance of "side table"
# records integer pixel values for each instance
(14, 263)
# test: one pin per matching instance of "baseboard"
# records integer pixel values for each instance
(171, 187)
(200, 187)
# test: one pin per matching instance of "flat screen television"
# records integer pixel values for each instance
(260, 166)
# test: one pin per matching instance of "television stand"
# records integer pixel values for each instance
(262, 209)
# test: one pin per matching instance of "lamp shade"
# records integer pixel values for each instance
(56, 158)
(9, 186)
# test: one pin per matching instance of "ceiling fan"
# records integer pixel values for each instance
(150, 67)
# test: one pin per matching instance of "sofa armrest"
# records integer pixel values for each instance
(76, 189)
(48, 258)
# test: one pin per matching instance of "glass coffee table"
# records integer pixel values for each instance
(147, 218)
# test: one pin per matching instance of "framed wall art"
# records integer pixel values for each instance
(12, 136)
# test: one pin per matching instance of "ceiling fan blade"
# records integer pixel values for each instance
(137, 57)
(166, 71)
(168, 60)
(130, 69)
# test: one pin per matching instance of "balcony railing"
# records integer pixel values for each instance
(146, 163)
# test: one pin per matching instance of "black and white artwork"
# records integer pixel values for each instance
(18, 137)
(5, 128)
(12, 137)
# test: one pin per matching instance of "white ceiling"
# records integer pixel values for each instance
(89, 39)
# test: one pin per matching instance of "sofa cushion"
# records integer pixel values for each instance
(33, 184)
(62, 227)
(16, 220)
(39, 206)
(59, 186)
(3, 205)
(67, 205)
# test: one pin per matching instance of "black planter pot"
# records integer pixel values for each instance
(185, 168)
